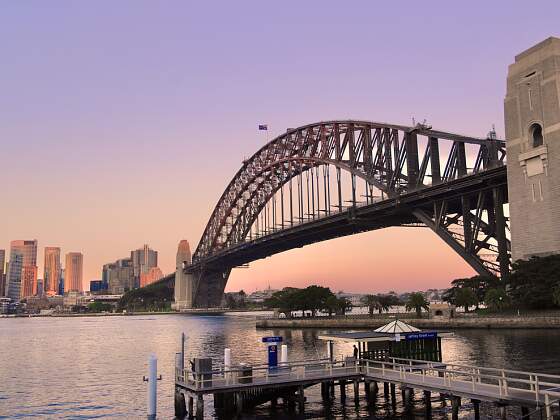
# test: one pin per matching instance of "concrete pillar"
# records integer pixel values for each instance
(476, 409)
(532, 112)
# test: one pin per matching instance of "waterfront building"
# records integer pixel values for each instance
(119, 275)
(74, 272)
(2, 272)
(151, 276)
(51, 272)
(22, 268)
(143, 259)
(354, 298)
(61, 282)
(98, 286)
(259, 296)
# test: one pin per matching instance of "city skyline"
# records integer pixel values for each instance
(139, 150)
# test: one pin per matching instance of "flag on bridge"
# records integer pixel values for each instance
(263, 127)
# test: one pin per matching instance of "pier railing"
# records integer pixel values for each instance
(493, 382)
(262, 374)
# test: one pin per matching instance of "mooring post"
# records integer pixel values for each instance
(152, 386)
(476, 407)
(200, 407)
(455, 404)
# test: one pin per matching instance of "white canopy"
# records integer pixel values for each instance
(396, 327)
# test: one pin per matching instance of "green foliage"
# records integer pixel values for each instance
(496, 299)
(312, 298)
(380, 302)
(154, 297)
(534, 283)
(478, 284)
(100, 307)
(465, 297)
(416, 302)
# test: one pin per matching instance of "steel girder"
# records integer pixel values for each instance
(313, 172)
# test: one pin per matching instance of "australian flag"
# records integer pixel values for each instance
(263, 127)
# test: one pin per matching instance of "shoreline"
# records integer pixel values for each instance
(505, 322)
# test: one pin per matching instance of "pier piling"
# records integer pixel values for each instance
(476, 409)
(200, 407)
(191, 406)
(524, 413)
(356, 391)
(455, 406)
(428, 404)
(393, 397)
(180, 406)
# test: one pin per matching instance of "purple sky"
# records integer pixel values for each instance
(122, 122)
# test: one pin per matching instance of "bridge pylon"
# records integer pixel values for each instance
(532, 122)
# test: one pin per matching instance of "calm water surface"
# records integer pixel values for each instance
(79, 368)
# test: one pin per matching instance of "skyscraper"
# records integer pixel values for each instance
(23, 254)
(51, 272)
(74, 272)
(2, 272)
(143, 259)
(119, 276)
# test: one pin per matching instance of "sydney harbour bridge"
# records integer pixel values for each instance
(336, 178)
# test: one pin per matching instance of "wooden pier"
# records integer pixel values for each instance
(237, 389)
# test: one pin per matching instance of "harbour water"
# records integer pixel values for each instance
(92, 367)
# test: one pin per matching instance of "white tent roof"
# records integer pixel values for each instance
(396, 327)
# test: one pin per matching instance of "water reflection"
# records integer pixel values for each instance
(93, 367)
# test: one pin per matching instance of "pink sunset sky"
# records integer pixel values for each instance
(122, 122)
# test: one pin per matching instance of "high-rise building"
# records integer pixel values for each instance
(28, 281)
(74, 272)
(13, 278)
(22, 273)
(2, 272)
(143, 259)
(51, 272)
(119, 276)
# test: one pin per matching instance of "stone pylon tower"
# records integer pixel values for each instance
(532, 121)
(183, 281)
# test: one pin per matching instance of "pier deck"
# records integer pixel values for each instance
(501, 386)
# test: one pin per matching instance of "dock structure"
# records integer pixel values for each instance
(241, 388)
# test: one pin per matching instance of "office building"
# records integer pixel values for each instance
(22, 269)
(143, 259)
(2, 272)
(51, 271)
(119, 276)
(97, 287)
(74, 272)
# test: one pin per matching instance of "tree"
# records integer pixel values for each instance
(532, 282)
(465, 297)
(344, 305)
(479, 284)
(372, 303)
(496, 298)
(416, 302)
(100, 307)
(331, 304)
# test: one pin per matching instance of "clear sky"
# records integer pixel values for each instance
(121, 122)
